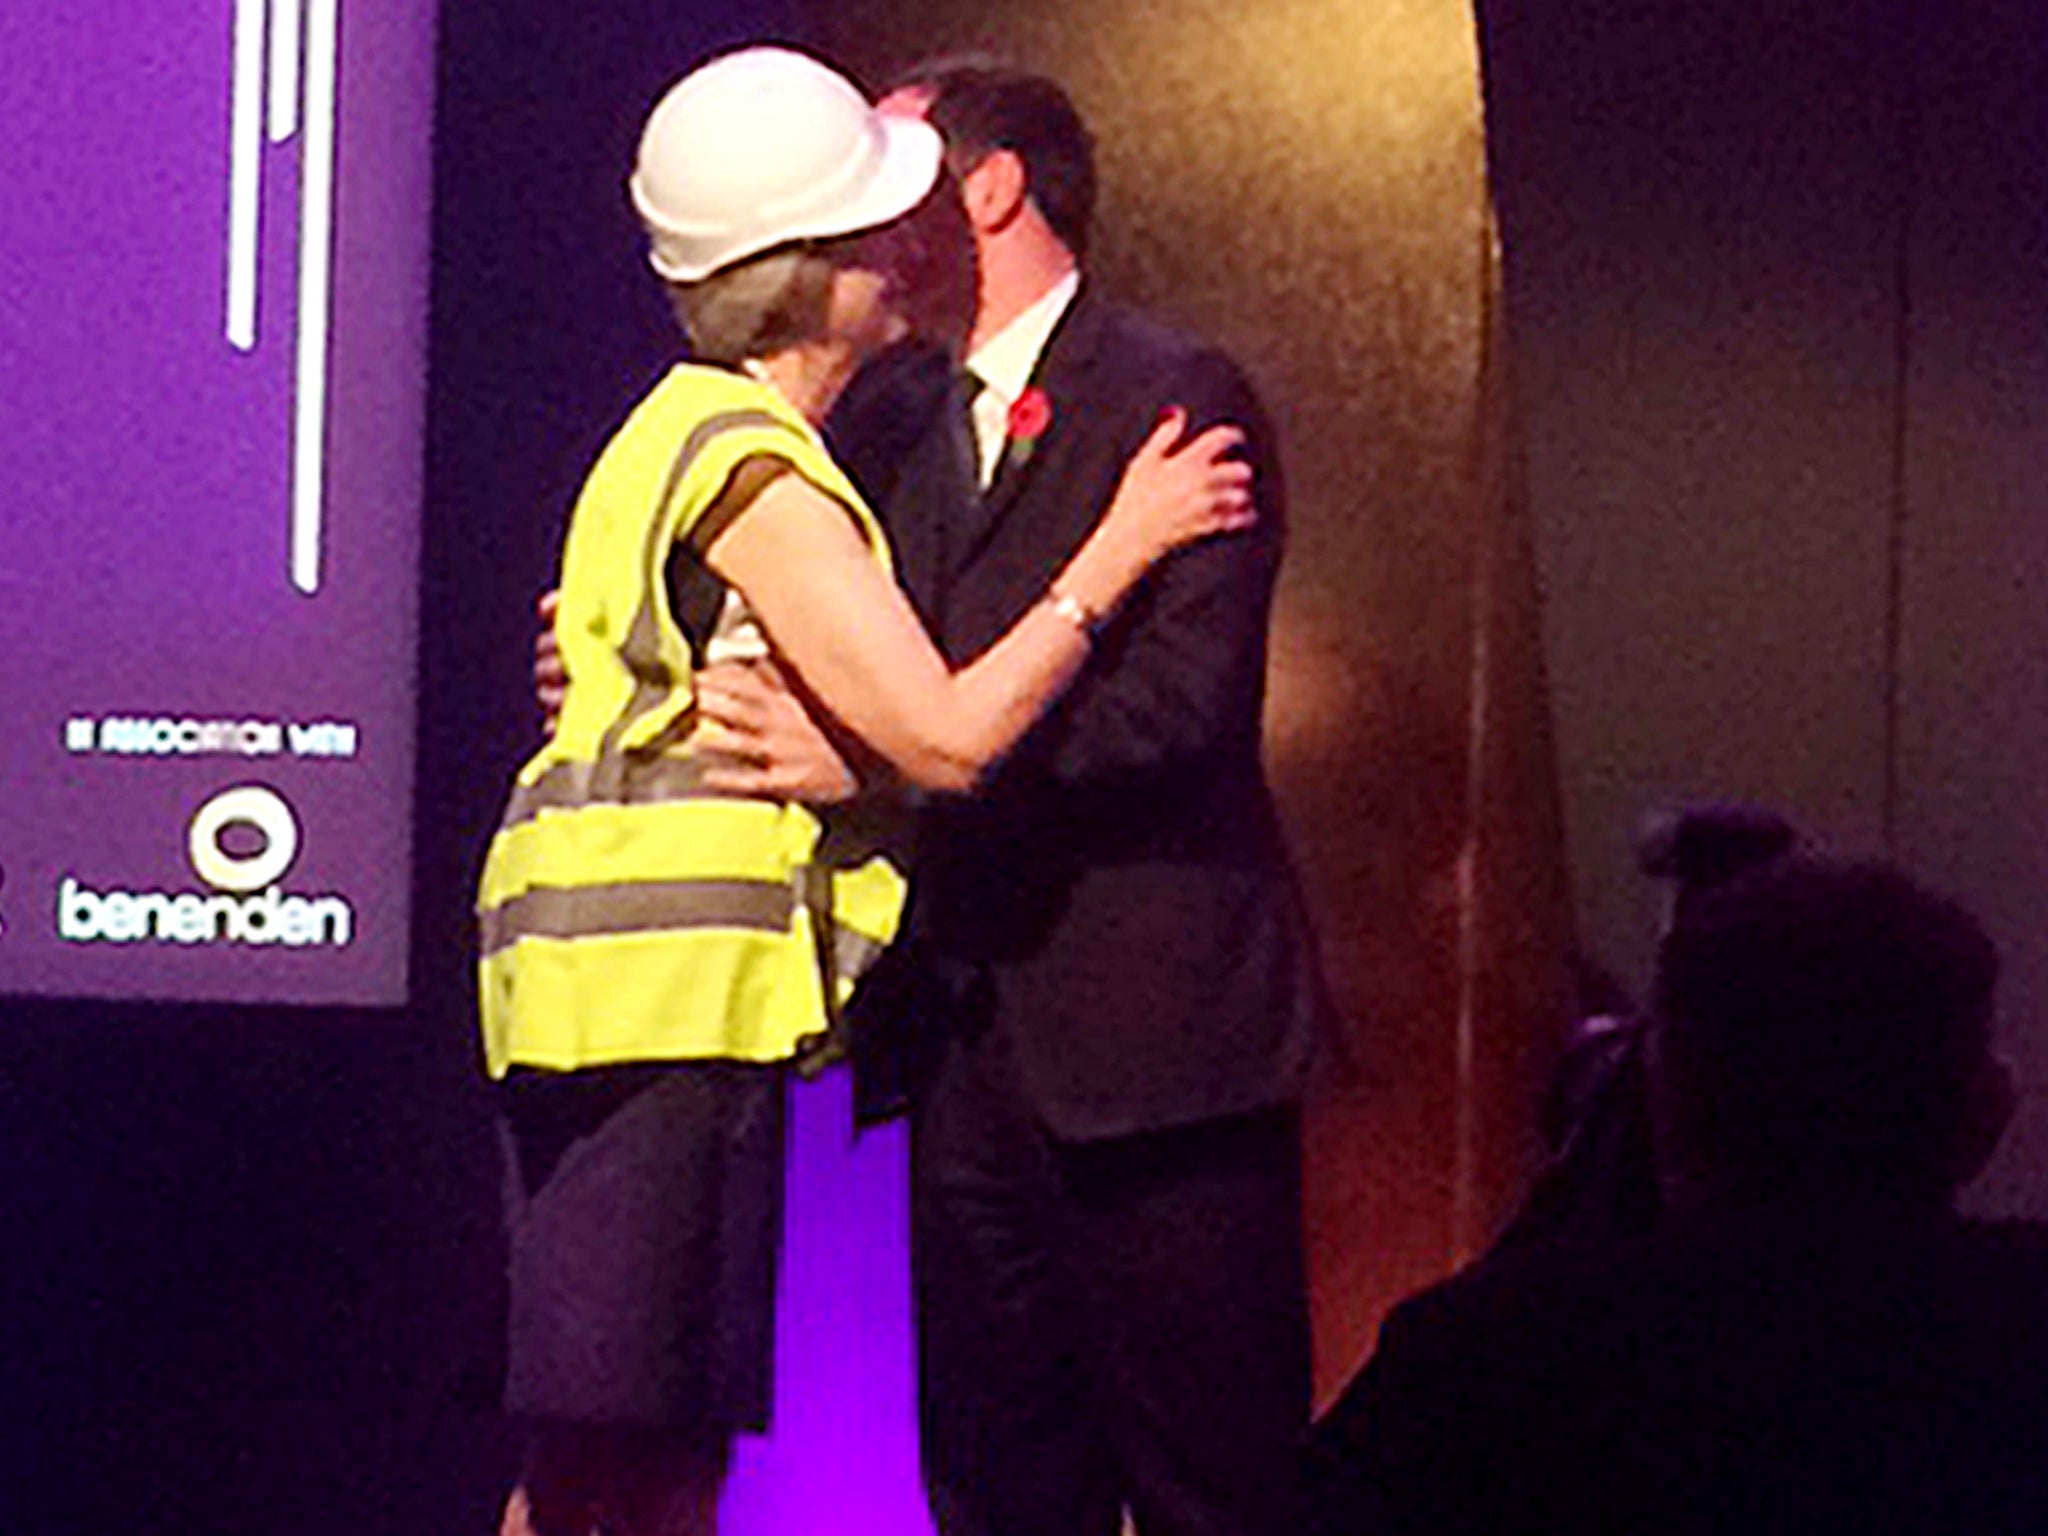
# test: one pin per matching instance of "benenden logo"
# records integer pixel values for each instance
(245, 905)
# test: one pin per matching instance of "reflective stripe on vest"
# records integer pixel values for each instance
(627, 912)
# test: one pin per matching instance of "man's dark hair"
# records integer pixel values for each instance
(1825, 1023)
(980, 104)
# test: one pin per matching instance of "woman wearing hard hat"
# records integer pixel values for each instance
(656, 953)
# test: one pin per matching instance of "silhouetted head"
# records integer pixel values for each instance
(1824, 1028)
(1697, 847)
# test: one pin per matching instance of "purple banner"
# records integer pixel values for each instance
(212, 361)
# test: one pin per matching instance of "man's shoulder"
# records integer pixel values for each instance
(1130, 340)
(1127, 365)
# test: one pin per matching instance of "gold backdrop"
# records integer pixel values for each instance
(1304, 181)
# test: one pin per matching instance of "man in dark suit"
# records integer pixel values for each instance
(1105, 1178)
(1811, 1340)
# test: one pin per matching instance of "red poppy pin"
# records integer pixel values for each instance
(1030, 416)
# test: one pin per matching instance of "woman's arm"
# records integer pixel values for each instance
(850, 634)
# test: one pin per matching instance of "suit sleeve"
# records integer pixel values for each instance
(1181, 668)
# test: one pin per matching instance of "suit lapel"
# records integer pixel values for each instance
(892, 434)
(1061, 367)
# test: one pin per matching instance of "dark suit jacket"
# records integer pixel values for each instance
(1757, 1373)
(1120, 882)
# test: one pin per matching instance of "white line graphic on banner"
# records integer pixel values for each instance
(280, 91)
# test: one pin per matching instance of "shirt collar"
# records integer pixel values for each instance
(1005, 362)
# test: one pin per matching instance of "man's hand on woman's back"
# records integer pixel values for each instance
(756, 737)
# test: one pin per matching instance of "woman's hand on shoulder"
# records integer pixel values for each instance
(1178, 489)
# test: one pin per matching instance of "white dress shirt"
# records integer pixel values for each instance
(1004, 364)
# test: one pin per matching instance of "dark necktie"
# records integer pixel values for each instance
(966, 521)
(966, 387)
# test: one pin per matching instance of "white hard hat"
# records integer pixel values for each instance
(766, 146)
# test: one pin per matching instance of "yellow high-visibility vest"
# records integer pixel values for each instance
(626, 913)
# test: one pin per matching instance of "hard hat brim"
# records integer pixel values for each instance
(903, 178)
